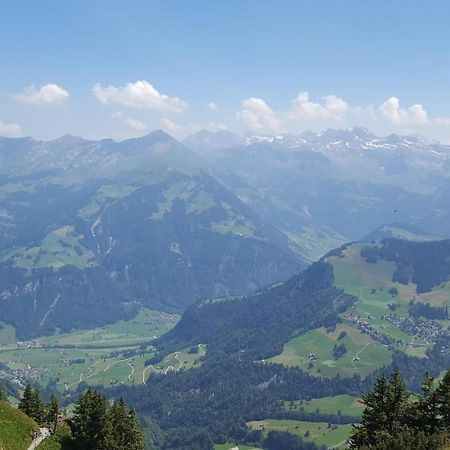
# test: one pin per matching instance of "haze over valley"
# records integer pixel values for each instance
(224, 225)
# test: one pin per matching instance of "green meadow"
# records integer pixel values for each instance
(345, 404)
(319, 432)
(362, 357)
(109, 355)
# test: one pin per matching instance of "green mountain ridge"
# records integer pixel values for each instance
(92, 230)
(298, 355)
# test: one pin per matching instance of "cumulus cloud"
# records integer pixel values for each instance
(169, 125)
(49, 94)
(213, 105)
(135, 124)
(442, 121)
(415, 114)
(331, 107)
(257, 115)
(140, 94)
(10, 129)
(132, 123)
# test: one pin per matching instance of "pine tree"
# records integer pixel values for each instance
(39, 414)
(137, 438)
(53, 413)
(398, 402)
(27, 402)
(442, 399)
(385, 412)
(3, 396)
(91, 426)
(424, 411)
(127, 432)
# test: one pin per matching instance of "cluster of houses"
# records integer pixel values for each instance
(426, 330)
(366, 328)
(34, 343)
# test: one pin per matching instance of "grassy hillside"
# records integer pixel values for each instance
(15, 428)
(319, 432)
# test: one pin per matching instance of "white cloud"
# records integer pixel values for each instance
(132, 123)
(442, 121)
(135, 124)
(331, 107)
(258, 115)
(169, 125)
(213, 105)
(10, 129)
(49, 94)
(140, 94)
(415, 114)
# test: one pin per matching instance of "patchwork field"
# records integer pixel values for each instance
(365, 340)
(105, 356)
(321, 433)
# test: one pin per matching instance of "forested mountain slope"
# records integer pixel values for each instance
(92, 230)
(321, 338)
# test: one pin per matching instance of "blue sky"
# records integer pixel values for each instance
(122, 68)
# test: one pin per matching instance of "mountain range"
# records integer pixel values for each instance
(93, 230)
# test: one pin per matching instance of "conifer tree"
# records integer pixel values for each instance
(442, 399)
(39, 413)
(96, 425)
(127, 433)
(386, 407)
(90, 425)
(424, 412)
(53, 413)
(27, 403)
(3, 396)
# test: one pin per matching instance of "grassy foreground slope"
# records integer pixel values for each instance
(15, 428)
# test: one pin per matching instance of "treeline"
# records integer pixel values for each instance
(395, 419)
(425, 263)
(258, 325)
(96, 424)
(419, 309)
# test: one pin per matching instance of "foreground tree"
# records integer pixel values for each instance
(385, 409)
(126, 431)
(90, 425)
(32, 404)
(98, 426)
(393, 421)
(53, 413)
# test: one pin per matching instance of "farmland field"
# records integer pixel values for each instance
(109, 355)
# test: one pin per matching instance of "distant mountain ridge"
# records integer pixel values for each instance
(150, 218)
(338, 185)
(92, 230)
